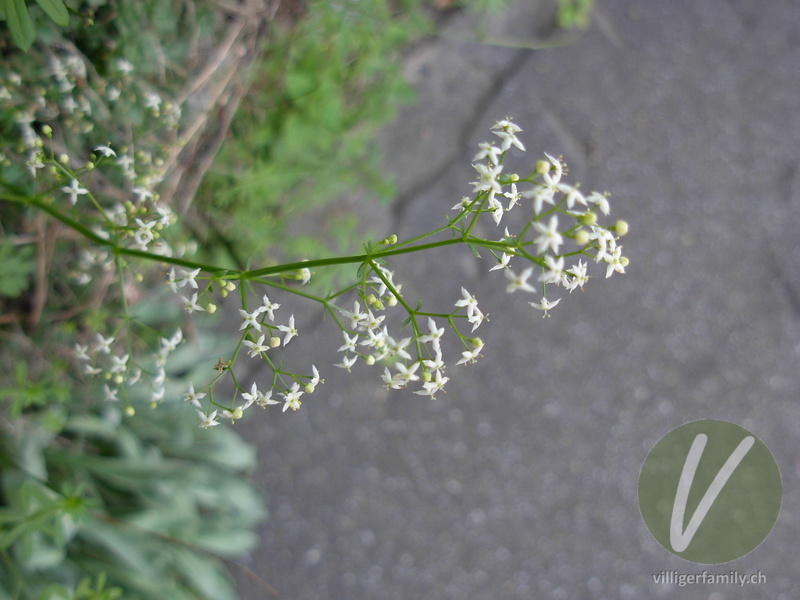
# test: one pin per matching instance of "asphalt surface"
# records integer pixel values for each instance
(521, 481)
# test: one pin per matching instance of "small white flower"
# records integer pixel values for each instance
(81, 352)
(253, 396)
(120, 363)
(513, 197)
(616, 262)
(549, 237)
(545, 305)
(488, 179)
(105, 151)
(434, 334)
(191, 305)
(579, 276)
(209, 420)
(506, 131)
(257, 347)
(289, 330)
(470, 356)
(519, 282)
(572, 194)
(554, 270)
(193, 397)
(250, 319)
(292, 398)
(553, 176)
(349, 343)
(347, 363)
(103, 345)
(502, 262)
(469, 302)
(488, 151)
(73, 191)
(600, 201)
(463, 204)
(431, 387)
(109, 394)
(269, 307)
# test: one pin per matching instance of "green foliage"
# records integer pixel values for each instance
(303, 136)
(94, 505)
(574, 14)
(17, 264)
(20, 24)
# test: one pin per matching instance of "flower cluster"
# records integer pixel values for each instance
(552, 246)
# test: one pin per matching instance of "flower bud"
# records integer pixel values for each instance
(426, 376)
(63, 159)
(369, 359)
(237, 413)
(130, 411)
(476, 342)
(391, 300)
(47, 130)
(274, 341)
(621, 228)
(582, 237)
(542, 167)
(211, 308)
(309, 388)
(588, 218)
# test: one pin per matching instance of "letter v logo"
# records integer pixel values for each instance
(709, 491)
(679, 538)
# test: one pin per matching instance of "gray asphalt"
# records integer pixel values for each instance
(521, 481)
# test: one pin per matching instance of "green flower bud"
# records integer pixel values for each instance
(621, 228)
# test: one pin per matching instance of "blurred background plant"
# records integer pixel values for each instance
(235, 117)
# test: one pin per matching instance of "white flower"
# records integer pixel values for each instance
(289, 330)
(545, 305)
(579, 276)
(257, 347)
(356, 316)
(292, 399)
(552, 177)
(434, 334)
(349, 343)
(513, 197)
(549, 237)
(572, 194)
(431, 387)
(470, 356)
(506, 130)
(469, 302)
(554, 272)
(540, 195)
(616, 262)
(305, 275)
(209, 420)
(193, 397)
(73, 191)
(519, 282)
(488, 178)
(103, 345)
(463, 204)
(109, 394)
(600, 201)
(120, 364)
(253, 396)
(250, 319)
(488, 151)
(502, 262)
(269, 307)
(191, 305)
(105, 151)
(81, 352)
(347, 362)
(496, 208)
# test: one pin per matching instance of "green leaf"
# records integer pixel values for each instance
(18, 262)
(19, 23)
(56, 10)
